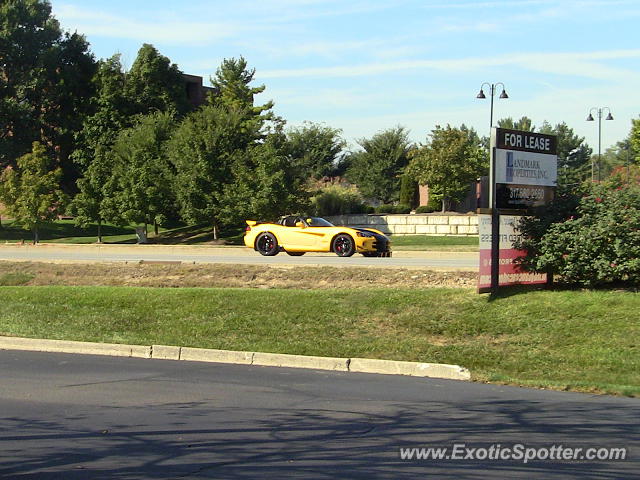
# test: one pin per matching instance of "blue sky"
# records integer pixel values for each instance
(364, 66)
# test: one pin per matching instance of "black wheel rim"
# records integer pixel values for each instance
(266, 243)
(343, 245)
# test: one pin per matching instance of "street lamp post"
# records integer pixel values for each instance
(599, 111)
(481, 95)
(495, 216)
(492, 87)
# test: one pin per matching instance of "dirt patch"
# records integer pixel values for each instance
(234, 276)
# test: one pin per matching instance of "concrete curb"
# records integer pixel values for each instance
(68, 346)
(171, 352)
(414, 369)
(301, 361)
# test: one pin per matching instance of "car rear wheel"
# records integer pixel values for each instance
(343, 245)
(267, 244)
(295, 254)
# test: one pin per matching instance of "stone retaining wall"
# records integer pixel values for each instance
(417, 224)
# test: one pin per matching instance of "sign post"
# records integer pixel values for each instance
(523, 175)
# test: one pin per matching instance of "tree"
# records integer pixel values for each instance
(634, 140)
(209, 149)
(141, 184)
(45, 83)
(202, 152)
(409, 191)
(155, 84)
(231, 87)
(88, 204)
(377, 169)
(625, 153)
(110, 113)
(232, 90)
(450, 160)
(262, 185)
(574, 155)
(315, 149)
(524, 124)
(31, 192)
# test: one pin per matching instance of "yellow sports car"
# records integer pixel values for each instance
(297, 235)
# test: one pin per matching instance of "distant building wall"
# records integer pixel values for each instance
(468, 204)
(417, 224)
(423, 195)
(196, 91)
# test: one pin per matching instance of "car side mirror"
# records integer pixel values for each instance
(300, 225)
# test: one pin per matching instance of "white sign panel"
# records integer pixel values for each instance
(509, 272)
(526, 168)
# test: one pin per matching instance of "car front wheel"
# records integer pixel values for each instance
(267, 244)
(344, 246)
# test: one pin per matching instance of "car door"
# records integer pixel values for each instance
(315, 236)
(292, 237)
(304, 237)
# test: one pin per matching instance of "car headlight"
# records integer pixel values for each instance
(364, 234)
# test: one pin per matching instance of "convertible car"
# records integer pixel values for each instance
(296, 235)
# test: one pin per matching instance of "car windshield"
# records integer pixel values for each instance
(317, 222)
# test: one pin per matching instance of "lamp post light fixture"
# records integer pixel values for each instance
(492, 89)
(599, 112)
(495, 216)
(492, 92)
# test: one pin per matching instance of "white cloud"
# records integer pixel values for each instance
(583, 64)
(160, 30)
(480, 27)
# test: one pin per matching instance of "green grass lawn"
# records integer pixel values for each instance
(579, 340)
(65, 231)
(428, 242)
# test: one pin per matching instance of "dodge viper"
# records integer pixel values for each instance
(296, 235)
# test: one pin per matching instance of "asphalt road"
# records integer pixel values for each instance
(87, 417)
(234, 255)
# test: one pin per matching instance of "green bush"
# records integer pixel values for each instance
(402, 209)
(425, 209)
(593, 240)
(435, 202)
(384, 208)
(337, 200)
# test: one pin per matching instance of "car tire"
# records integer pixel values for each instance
(267, 244)
(295, 254)
(343, 245)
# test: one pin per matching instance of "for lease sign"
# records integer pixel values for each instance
(525, 158)
(526, 168)
(526, 141)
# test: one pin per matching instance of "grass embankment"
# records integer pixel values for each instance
(226, 275)
(578, 340)
(65, 231)
(428, 242)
